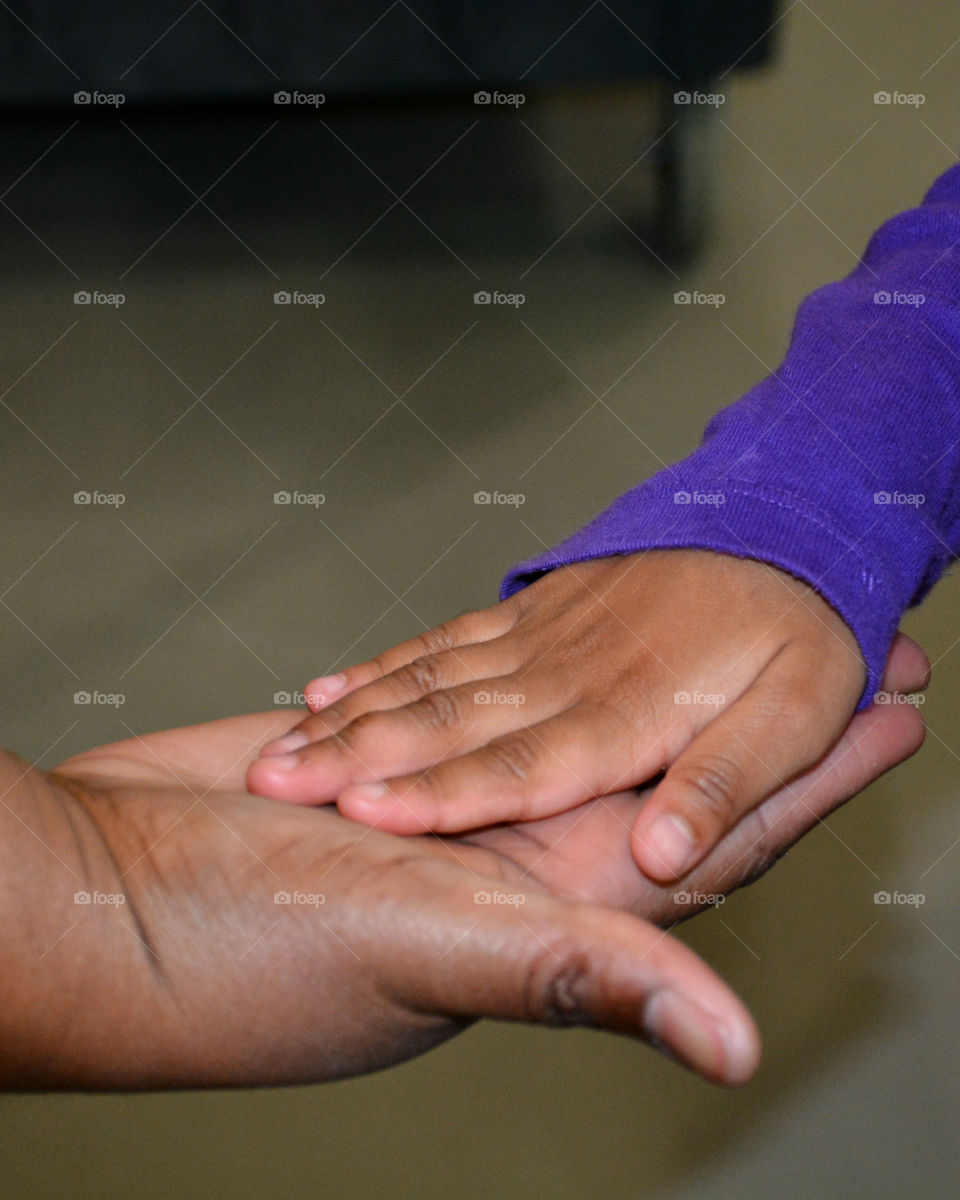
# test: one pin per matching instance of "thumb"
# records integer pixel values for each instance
(492, 950)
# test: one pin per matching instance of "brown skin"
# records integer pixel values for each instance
(599, 652)
(200, 979)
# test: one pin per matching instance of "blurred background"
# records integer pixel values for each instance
(281, 293)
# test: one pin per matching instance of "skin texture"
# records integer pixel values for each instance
(200, 978)
(729, 675)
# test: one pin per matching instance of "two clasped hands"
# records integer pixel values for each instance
(259, 942)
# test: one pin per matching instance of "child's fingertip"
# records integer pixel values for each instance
(265, 779)
(284, 745)
(320, 691)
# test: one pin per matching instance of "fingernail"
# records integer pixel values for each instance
(685, 1030)
(283, 762)
(671, 840)
(681, 1027)
(319, 691)
(292, 741)
(740, 1052)
(370, 793)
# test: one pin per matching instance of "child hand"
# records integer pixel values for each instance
(729, 674)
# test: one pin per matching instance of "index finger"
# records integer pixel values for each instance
(468, 629)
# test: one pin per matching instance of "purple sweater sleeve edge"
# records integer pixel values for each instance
(794, 540)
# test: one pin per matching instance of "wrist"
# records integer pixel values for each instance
(74, 985)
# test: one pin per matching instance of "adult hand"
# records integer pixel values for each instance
(164, 928)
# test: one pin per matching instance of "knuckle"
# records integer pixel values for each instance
(438, 639)
(633, 710)
(510, 611)
(521, 604)
(379, 666)
(711, 785)
(433, 787)
(558, 982)
(512, 757)
(420, 676)
(364, 733)
(437, 711)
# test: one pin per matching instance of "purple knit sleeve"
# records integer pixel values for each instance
(843, 466)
